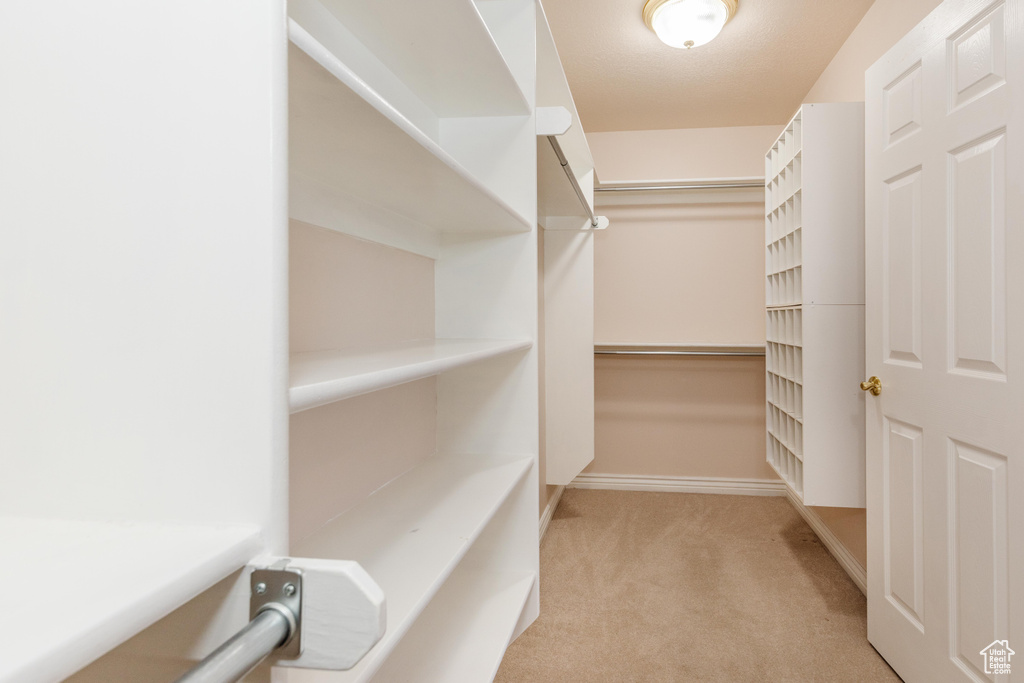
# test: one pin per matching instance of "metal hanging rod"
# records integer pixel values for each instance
(717, 184)
(677, 350)
(275, 609)
(572, 179)
(239, 655)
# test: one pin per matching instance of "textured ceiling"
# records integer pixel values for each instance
(755, 73)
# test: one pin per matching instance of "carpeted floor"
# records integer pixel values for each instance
(652, 587)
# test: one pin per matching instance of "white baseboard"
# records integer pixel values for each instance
(629, 482)
(839, 551)
(549, 510)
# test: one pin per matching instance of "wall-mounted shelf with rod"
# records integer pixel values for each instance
(680, 349)
(683, 191)
(95, 583)
(565, 211)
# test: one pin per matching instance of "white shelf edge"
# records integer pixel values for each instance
(77, 589)
(411, 535)
(303, 40)
(322, 377)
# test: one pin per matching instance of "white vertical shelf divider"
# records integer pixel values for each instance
(814, 289)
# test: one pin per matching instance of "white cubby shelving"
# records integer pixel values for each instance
(152, 458)
(814, 293)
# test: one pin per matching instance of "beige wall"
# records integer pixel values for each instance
(885, 23)
(680, 273)
(682, 154)
(680, 416)
(680, 268)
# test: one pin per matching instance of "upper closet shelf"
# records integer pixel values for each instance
(350, 147)
(443, 50)
(561, 203)
(321, 377)
(80, 588)
(411, 535)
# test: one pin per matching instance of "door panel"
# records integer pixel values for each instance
(904, 544)
(977, 273)
(901, 288)
(978, 552)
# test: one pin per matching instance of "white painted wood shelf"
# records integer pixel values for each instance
(322, 377)
(558, 206)
(446, 51)
(75, 589)
(411, 535)
(351, 147)
(464, 634)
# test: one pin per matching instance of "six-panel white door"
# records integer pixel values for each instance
(945, 333)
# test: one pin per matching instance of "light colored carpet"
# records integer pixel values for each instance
(650, 587)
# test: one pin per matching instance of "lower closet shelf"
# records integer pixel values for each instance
(463, 636)
(75, 589)
(321, 377)
(410, 536)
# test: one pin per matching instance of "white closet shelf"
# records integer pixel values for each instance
(322, 377)
(411, 534)
(555, 194)
(75, 589)
(347, 139)
(463, 635)
(442, 49)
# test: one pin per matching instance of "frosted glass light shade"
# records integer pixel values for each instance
(688, 23)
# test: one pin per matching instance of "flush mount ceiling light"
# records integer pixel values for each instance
(688, 23)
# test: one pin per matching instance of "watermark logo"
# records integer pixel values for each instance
(997, 657)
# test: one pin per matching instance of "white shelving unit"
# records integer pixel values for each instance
(814, 290)
(154, 453)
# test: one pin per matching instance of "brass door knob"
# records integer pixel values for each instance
(874, 385)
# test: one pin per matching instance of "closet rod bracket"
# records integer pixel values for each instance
(280, 589)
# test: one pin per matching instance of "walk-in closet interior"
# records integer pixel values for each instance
(311, 311)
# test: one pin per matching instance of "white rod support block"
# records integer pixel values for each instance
(343, 613)
(553, 121)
